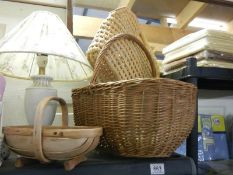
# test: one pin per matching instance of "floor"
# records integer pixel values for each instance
(222, 167)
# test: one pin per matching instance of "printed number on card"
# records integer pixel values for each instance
(157, 168)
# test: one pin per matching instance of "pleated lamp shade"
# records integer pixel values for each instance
(44, 33)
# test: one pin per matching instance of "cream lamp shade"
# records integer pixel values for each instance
(43, 33)
(42, 48)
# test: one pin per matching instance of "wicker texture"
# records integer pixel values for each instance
(140, 117)
(121, 20)
(124, 57)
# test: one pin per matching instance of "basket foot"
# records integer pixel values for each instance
(44, 163)
(70, 164)
(21, 161)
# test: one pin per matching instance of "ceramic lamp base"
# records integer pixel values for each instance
(40, 89)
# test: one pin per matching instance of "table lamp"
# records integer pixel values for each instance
(41, 47)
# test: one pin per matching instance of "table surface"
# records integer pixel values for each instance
(105, 165)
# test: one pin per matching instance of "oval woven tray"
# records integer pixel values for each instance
(124, 57)
(121, 20)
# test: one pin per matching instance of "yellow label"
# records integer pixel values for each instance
(218, 124)
(199, 124)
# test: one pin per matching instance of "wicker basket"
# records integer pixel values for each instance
(121, 20)
(140, 117)
(124, 57)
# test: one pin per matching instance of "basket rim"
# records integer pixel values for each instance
(124, 8)
(55, 131)
(136, 81)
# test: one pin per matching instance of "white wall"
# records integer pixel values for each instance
(12, 13)
(215, 102)
(14, 99)
(2, 30)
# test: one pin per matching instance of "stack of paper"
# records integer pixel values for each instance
(218, 42)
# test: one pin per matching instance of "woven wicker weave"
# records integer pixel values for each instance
(124, 57)
(121, 20)
(140, 117)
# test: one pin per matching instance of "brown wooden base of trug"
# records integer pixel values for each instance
(21, 162)
(68, 165)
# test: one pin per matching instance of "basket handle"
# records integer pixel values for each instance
(37, 130)
(155, 70)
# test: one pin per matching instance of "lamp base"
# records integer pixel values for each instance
(40, 89)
